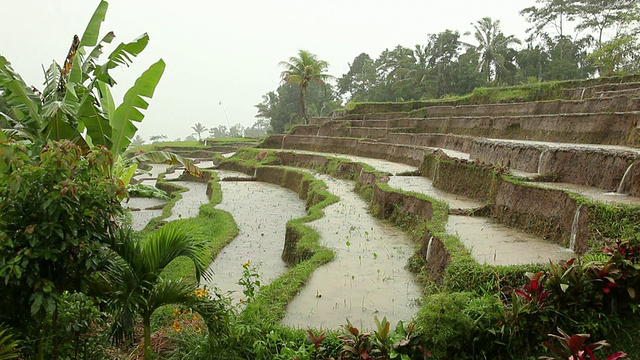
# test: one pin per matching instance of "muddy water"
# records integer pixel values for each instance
(424, 186)
(145, 209)
(192, 199)
(488, 242)
(380, 165)
(593, 193)
(367, 276)
(261, 211)
(494, 244)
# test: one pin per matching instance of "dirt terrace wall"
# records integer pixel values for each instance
(460, 177)
(594, 128)
(435, 253)
(589, 91)
(404, 154)
(609, 129)
(544, 212)
(600, 168)
(596, 168)
(595, 105)
(523, 157)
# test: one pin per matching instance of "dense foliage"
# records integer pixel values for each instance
(56, 211)
(568, 39)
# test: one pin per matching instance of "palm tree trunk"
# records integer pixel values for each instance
(303, 103)
(146, 321)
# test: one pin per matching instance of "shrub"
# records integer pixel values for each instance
(444, 326)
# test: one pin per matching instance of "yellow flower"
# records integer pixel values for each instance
(215, 317)
(246, 263)
(241, 300)
(198, 331)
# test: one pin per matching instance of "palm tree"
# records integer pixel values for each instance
(303, 70)
(492, 46)
(199, 129)
(131, 278)
(137, 141)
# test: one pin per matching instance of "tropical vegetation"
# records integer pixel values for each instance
(303, 70)
(568, 39)
(76, 283)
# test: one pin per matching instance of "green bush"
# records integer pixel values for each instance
(444, 326)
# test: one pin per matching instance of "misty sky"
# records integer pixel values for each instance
(229, 51)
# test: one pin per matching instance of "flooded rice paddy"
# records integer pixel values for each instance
(261, 211)
(367, 276)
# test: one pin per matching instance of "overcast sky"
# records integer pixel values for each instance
(229, 51)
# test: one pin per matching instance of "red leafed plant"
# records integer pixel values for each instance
(534, 292)
(574, 348)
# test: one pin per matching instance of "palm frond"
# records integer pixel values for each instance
(170, 242)
(9, 346)
(167, 292)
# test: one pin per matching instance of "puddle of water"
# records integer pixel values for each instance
(261, 211)
(207, 164)
(150, 177)
(455, 154)
(593, 193)
(189, 205)
(367, 276)
(423, 185)
(494, 244)
(380, 165)
(140, 218)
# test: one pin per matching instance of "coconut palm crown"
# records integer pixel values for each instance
(303, 70)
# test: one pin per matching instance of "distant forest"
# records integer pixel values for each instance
(567, 39)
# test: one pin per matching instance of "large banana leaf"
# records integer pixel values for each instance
(167, 158)
(97, 125)
(89, 63)
(51, 80)
(106, 100)
(58, 127)
(122, 55)
(19, 96)
(129, 111)
(92, 31)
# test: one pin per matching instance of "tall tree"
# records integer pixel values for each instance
(281, 108)
(359, 81)
(602, 15)
(442, 53)
(552, 13)
(493, 46)
(199, 129)
(303, 70)
(395, 68)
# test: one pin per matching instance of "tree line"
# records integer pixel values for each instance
(567, 39)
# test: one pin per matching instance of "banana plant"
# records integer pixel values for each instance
(76, 102)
